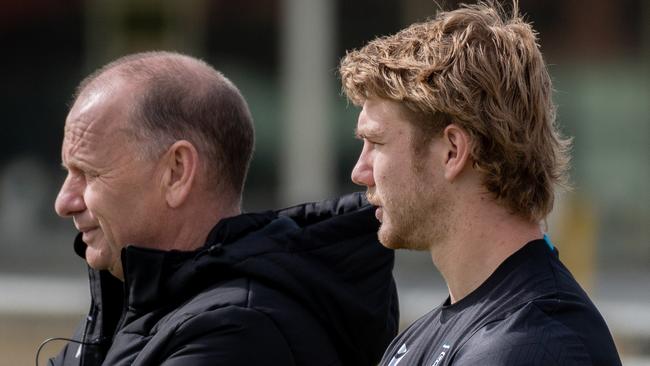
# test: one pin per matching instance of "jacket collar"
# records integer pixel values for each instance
(154, 277)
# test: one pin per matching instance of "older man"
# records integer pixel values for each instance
(157, 146)
(460, 155)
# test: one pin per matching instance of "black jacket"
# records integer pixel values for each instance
(309, 285)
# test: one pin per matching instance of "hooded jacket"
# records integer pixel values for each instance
(308, 285)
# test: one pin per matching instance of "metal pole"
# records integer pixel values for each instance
(308, 81)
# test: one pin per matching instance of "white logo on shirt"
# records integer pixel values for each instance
(442, 355)
(398, 356)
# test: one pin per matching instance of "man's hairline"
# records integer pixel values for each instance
(111, 80)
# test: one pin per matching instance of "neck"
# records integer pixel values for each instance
(477, 244)
(189, 227)
(194, 232)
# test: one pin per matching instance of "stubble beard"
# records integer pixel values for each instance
(415, 222)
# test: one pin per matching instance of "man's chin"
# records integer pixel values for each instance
(393, 240)
(102, 262)
(388, 238)
(96, 259)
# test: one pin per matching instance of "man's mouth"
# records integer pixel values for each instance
(88, 233)
(86, 229)
(372, 199)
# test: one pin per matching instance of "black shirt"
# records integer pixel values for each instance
(530, 311)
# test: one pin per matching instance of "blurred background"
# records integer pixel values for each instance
(283, 55)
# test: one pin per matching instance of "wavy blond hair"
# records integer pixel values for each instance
(483, 70)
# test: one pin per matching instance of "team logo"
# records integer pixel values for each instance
(445, 348)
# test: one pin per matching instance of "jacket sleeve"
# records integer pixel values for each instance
(231, 336)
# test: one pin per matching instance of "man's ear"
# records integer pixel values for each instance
(180, 169)
(457, 144)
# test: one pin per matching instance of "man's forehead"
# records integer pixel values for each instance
(108, 104)
(80, 128)
(89, 99)
(378, 116)
(97, 118)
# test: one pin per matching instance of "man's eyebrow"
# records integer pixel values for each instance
(75, 165)
(368, 132)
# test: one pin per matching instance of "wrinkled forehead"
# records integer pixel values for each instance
(101, 107)
(98, 117)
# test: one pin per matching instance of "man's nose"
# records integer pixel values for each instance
(362, 173)
(70, 199)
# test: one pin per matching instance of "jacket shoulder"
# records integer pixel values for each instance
(230, 293)
(227, 334)
(236, 314)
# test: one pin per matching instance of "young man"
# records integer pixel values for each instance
(460, 156)
(157, 146)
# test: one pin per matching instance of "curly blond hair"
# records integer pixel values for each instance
(482, 70)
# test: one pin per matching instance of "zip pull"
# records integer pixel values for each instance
(214, 249)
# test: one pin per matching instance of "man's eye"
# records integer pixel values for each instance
(91, 175)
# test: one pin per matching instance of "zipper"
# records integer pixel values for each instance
(125, 299)
(92, 313)
(79, 353)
